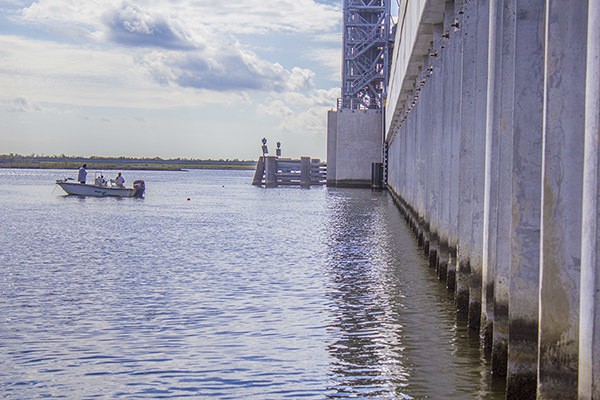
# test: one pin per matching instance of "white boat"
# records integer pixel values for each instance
(101, 189)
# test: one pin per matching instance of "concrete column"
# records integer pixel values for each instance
(402, 173)
(456, 68)
(417, 132)
(589, 325)
(405, 160)
(421, 169)
(481, 13)
(566, 35)
(491, 175)
(503, 119)
(468, 32)
(439, 130)
(434, 103)
(446, 143)
(399, 160)
(393, 163)
(526, 199)
(411, 158)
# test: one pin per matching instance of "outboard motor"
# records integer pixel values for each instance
(140, 187)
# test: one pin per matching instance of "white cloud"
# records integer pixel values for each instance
(321, 97)
(49, 72)
(21, 104)
(300, 79)
(235, 17)
(229, 68)
(107, 60)
(15, 3)
(331, 58)
(301, 113)
(276, 108)
(257, 16)
(174, 48)
(133, 26)
(73, 19)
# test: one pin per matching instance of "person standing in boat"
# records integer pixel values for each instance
(119, 180)
(82, 174)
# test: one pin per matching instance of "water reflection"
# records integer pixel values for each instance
(240, 293)
(394, 324)
(367, 351)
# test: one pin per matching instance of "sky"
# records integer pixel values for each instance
(157, 78)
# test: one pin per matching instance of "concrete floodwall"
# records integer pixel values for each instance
(493, 140)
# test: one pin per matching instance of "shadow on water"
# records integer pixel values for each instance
(396, 327)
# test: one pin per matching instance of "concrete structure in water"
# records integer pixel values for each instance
(492, 128)
(355, 139)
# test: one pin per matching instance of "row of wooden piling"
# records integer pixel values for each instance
(272, 171)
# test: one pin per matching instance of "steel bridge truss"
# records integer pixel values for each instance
(367, 53)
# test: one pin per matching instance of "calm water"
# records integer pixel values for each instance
(237, 293)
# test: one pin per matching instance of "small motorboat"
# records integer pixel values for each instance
(102, 188)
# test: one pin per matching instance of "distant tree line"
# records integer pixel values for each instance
(62, 161)
(32, 156)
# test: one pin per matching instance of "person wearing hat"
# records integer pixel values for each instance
(82, 174)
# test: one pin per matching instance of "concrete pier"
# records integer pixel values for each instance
(490, 204)
(354, 142)
(589, 324)
(527, 132)
(481, 16)
(492, 129)
(466, 102)
(566, 37)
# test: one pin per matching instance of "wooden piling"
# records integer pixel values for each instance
(271, 172)
(305, 172)
(260, 171)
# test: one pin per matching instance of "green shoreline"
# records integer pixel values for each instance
(121, 163)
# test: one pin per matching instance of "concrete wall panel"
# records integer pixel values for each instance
(589, 326)
(526, 199)
(566, 35)
(359, 143)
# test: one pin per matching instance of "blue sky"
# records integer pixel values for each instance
(183, 78)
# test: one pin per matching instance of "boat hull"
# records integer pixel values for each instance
(82, 189)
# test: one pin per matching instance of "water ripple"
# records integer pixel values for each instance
(242, 293)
